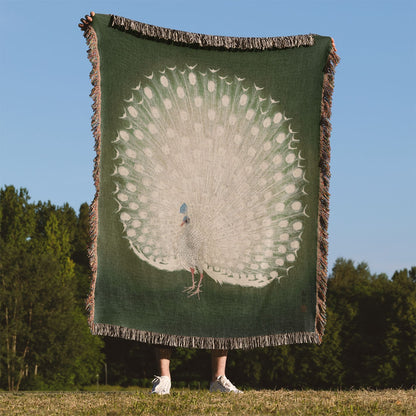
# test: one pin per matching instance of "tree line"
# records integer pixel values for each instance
(45, 342)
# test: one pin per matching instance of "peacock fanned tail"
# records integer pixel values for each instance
(220, 144)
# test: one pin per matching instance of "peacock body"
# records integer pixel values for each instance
(208, 177)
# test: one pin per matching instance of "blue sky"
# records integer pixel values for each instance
(46, 145)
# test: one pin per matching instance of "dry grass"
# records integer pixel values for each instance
(185, 402)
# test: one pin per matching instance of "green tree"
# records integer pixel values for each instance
(318, 366)
(17, 225)
(361, 301)
(401, 337)
(44, 338)
(378, 321)
(79, 255)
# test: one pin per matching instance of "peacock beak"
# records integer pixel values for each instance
(185, 220)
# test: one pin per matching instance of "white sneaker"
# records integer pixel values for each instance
(223, 385)
(161, 385)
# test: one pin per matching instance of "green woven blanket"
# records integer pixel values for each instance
(212, 173)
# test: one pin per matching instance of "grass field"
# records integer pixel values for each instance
(201, 402)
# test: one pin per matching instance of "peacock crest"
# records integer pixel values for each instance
(209, 177)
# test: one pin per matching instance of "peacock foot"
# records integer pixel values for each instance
(197, 291)
(189, 289)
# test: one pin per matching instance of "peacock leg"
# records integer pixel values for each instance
(191, 288)
(198, 290)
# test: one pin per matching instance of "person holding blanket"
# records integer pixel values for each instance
(162, 383)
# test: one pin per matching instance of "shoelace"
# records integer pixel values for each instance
(226, 383)
(156, 378)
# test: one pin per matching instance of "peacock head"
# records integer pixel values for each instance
(184, 210)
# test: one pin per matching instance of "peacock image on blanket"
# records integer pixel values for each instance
(208, 177)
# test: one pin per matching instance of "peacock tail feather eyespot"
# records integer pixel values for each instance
(220, 143)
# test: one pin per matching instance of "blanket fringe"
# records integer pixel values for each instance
(94, 58)
(323, 207)
(197, 39)
(205, 342)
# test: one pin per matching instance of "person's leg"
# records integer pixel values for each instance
(218, 363)
(163, 358)
(162, 383)
(219, 381)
